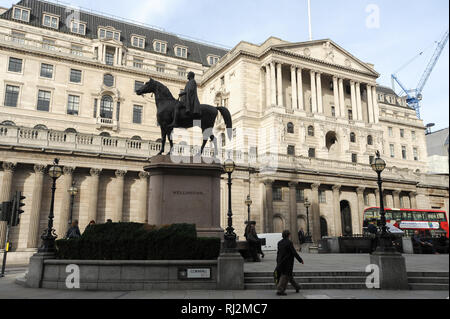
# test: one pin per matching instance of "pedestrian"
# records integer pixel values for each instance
(259, 247)
(109, 221)
(253, 241)
(91, 223)
(301, 236)
(423, 242)
(285, 264)
(373, 230)
(74, 231)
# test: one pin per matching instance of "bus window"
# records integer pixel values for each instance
(432, 217)
(388, 216)
(441, 217)
(368, 215)
(418, 216)
(397, 215)
(408, 216)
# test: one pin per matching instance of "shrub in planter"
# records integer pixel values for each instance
(132, 241)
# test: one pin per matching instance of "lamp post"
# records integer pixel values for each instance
(308, 234)
(73, 191)
(49, 237)
(384, 239)
(249, 203)
(230, 244)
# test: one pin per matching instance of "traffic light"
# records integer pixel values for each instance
(17, 208)
(5, 212)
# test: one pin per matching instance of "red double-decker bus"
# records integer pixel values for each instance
(433, 222)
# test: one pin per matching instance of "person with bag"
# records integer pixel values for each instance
(285, 264)
(253, 242)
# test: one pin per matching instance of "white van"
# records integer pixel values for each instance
(272, 241)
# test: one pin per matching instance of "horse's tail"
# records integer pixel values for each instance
(228, 121)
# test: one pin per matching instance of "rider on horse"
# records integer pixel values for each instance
(192, 103)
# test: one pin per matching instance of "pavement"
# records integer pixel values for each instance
(313, 262)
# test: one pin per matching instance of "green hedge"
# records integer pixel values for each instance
(132, 241)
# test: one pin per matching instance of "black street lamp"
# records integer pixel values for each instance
(49, 237)
(308, 234)
(249, 203)
(73, 191)
(384, 239)
(230, 244)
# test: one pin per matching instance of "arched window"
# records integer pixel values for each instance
(352, 137)
(106, 107)
(105, 134)
(369, 140)
(108, 80)
(8, 123)
(41, 127)
(136, 138)
(71, 130)
(290, 128)
(310, 130)
(223, 139)
(323, 227)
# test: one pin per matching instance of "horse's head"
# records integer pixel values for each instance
(148, 87)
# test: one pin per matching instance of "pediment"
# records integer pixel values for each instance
(328, 52)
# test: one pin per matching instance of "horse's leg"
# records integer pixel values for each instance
(169, 135)
(203, 147)
(216, 149)
(163, 141)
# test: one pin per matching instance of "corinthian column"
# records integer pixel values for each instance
(5, 195)
(65, 202)
(342, 98)
(268, 209)
(370, 104)
(337, 210)
(360, 193)
(293, 212)
(315, 210)
(36, 202)
(313, 92)
(279, 85)
(294, 87)
(376, 107)
(142, 215)
(118, 209)
(268, 95)
(301, 103)
(396, 194)
(93, 194)
(273, 84)
(337, 106)
(413, 199)
(358, 101)
(319, 93)
(353, 98)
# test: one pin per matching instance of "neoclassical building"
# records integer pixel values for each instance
(308, 119)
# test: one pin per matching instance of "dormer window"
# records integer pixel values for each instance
(212, 59)
(160, 46)
(108, 34)
(181, 51)
(21, 14)
(50, 21)
(78, 27)
(138, 42)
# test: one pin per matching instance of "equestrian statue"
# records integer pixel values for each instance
(186, 112)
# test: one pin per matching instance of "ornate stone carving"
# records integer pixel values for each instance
(120, 173)
(360, 190)
(144, 175)
(8, 166)
(329, 52)
(68, 170)
(315, 186)
(307, 52)
(39, 169)
(293, 184)
(95, 172)
(336, 188)
(268, 182)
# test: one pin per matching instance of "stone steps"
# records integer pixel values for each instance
(315, 279)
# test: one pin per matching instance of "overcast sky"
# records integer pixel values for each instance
(383, 32)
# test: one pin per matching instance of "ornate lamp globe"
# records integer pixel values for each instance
(307, 203)
(73, 190)
(378, 164)
(248, 201)
(229, 166)
(55, 171)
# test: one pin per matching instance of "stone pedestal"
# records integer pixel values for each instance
(36, 269)
(393, 274)
(230, 271)
(185, 192)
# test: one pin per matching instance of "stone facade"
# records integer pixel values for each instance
(307, 117)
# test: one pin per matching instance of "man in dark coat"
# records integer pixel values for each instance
(285, 264)
(74, 231)
(301, 237)
(253, 241)
(191, 100)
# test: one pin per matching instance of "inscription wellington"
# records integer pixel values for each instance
(187, 193)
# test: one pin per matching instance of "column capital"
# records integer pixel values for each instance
(358, 84)
(9, 166)
(39, 168)
(312, 72)
(293, 184)
(95, 172)
(360, 190)
(315, 186)
(120, 173)
(352, 82)
(144, 175)
(336, 188)
(68, 170)
(396, 192)
(268, 182)
(413, 193)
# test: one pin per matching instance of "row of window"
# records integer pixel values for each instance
(73, 104)
(402, 133)
(277, 195)
(404, 152)
(79, 27)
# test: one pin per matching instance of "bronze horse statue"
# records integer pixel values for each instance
(166, 103)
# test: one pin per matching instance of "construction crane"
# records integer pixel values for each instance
(414, 96)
